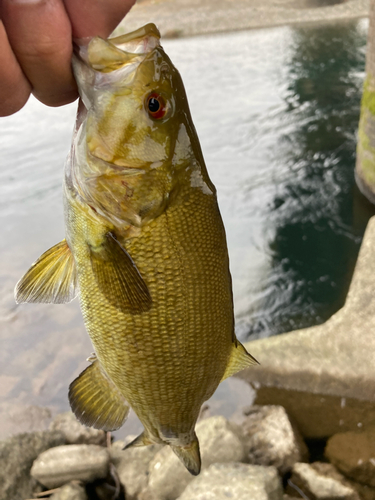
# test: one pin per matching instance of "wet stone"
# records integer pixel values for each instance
(70, 491)
(353, 453)
(320, 481)
(75, 432)
(16, 457)
(272, 439)
(132, 466)
(236, 481)
(80, 462)
(220, 441)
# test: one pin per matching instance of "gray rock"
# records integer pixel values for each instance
(220, 441)
(237, 481)
(132, 466)
(75, 432)
(353, 453)
(80, 462)
(70, 491)
(16, 457)
(18, 418)
(320, 481)
(272, 439)
(324, 376)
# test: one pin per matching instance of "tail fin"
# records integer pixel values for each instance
(189, 456)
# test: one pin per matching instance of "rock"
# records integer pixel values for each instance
(70, 491)
(132, 466)
(271, 438)
(75, 432)
(365, 492)
(324, 376)
(220, 441)
(80, 462)
(237, 481)
(320, 481)
(353, 453)
(16, 457)
(18, 418)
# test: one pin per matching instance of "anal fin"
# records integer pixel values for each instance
(96, 401)
(239, 360)
(141, 440)
(51, 279)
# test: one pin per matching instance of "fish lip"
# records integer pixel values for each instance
(140, 42)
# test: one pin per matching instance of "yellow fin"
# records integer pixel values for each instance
(96, 401)
(239, 360)
(141, 440)
(51, 279)
(118, 277)
(189, 456)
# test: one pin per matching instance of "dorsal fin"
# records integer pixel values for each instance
(118, 277)
(51, 279)
(239, 360)
(96, 401)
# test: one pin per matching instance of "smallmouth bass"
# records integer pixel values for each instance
(145, 249)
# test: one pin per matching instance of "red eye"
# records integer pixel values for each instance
(156, 106)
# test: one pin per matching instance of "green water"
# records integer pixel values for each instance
(318, 212)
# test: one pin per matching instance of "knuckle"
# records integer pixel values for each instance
(45, 49)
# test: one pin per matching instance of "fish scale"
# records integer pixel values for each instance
(145, 249)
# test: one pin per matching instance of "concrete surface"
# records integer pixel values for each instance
(196, 17)
(325, 375)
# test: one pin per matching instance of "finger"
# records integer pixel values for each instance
(40, 35)
(96, 17)
(14, 87)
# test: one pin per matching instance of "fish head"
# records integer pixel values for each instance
(135, 100)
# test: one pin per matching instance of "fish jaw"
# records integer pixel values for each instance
(96, 61)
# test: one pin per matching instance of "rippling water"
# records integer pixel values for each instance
(276, 111)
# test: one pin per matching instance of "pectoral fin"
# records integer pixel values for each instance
(239, 360)
(118, 277)
(51, 279)
(96, 401)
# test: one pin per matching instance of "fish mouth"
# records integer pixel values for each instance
(106, 56)
(111, 64)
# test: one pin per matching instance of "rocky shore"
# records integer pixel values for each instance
(262, 456)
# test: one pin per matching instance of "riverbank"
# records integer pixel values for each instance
(177, 18)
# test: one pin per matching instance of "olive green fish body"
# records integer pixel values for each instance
(168, 360)
(145, 249)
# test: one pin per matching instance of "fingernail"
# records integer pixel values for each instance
(27, 1)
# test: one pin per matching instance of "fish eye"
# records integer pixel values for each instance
(156, 106)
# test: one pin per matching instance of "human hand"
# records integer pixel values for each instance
(36, 46)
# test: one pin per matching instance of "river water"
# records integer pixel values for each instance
(276, 111)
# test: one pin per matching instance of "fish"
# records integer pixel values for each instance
(144, 250)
